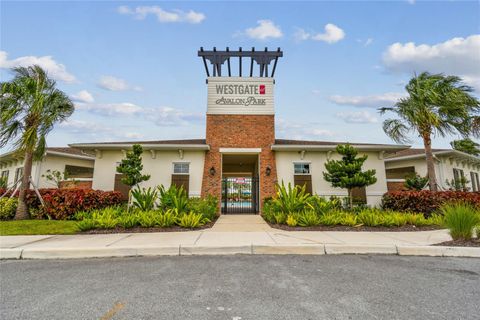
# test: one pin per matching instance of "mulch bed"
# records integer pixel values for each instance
(460, 243)
(147, 230)
(361, 228)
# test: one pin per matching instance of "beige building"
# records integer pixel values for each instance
(449, 165)
(77, 164)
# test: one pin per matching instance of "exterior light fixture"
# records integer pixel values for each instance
(212, 171)
(268, 171)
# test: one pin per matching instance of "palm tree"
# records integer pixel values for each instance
(437, 105)
(30, 105)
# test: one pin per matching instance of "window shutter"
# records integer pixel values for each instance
(359, 195)
(181, 180)
(303, 180)
(120, 186)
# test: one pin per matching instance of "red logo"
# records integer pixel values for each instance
(262, 89)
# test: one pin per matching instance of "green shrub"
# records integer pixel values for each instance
(128, 220)
(86, 224)
(331, 218)
(321, 205)
(348, 219)
(191, 220)
(308, 218)
(290, 199)
(166, 219)
(436, 220)
(393, 219)
(148, 219)
(460, 219)
(144, 199)
(173, 198)
(8, 207)
(369, 218)
(208, 206)
(292, 220)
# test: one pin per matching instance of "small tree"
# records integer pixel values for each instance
(466, 145)
(415, 182)
(347, 173)
(56, 177)
(131, 167)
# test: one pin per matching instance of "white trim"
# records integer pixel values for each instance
(180, 162)
(69, 155)
(395, 180)
(302, 162)
(241, 150)
(473, 158)
(105, 146)
(323, 147)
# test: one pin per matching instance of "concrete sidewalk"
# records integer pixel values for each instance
(230, 235)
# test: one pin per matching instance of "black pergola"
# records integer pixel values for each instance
(217, 58)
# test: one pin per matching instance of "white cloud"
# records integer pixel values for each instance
(366, 42)
(331, 35)
(411, 1)
(56, 70)
(265, 29)
(83, 96)
(370, 101)
(457, 56)
(167, 116)
(111, 109)
(301, 131)
(97, 131)
(357, 117)
(116, 84)
(163, 16)
(161, 116)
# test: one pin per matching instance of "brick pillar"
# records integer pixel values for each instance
(239, 131)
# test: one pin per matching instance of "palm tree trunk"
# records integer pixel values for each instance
(432, 179)
(22, 208)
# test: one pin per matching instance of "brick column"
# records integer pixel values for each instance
(240, 131)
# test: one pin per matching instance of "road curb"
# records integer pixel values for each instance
(277, 249)
(439, 251)
(360, 249)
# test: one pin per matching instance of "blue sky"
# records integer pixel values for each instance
(132, 68)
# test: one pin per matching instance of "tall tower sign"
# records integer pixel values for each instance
(240, 125)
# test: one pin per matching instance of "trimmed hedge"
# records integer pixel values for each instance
(61, 204)
(426, 202)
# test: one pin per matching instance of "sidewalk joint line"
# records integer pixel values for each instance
(34, 241)
(198, 238)
(125, 237)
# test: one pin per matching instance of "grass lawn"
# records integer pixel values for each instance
(30, 227)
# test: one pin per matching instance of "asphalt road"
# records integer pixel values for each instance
(242, 287)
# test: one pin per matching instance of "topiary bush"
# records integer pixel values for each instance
(426, 202)
(8, 206)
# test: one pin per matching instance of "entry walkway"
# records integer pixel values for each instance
(232, 234)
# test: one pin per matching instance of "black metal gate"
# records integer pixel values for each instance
(240, 195)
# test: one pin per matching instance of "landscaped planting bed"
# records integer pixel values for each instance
(151, 210)
(295, 210)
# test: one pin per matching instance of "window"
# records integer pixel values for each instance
(5, 174)
(181, 168)
(18, 174)
(475, 181)
(301, 168)
(458, 175)
(76, 172)
(400, 173)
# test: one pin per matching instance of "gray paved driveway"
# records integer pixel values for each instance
(242, 287)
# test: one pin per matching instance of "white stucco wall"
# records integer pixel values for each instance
(285, 172)
(443, 168)
(39, 168)
(159, 168)
(54, 162)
